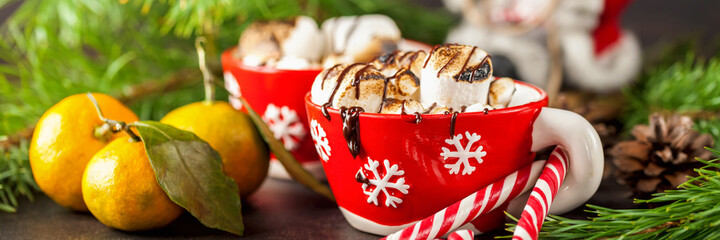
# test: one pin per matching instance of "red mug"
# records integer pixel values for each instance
(407, 170)
(276, 94)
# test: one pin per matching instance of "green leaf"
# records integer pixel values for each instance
(291, 165)
(190, 172)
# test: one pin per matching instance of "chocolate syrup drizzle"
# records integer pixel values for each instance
(337, 86)
(435, 48)
(430, 108)
(406, 54)
(453, 118)
(351, 128)
(448, 63)
(322, 84)
(350, 116)
(403, 61)
(359, 177)
(387, 81)
(452, 123)
(386, 59)
(411, 58)
(475, 73)
(356, 81)
(417, 118)
(467, 60)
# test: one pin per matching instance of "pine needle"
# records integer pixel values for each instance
(692, 212)
(15, 177)
(52, 49)
(678, 83)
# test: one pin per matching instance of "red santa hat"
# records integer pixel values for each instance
(606, 59)
(608, 31)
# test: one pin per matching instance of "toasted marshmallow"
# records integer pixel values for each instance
(398, 106)
(348, 79)
(391, 63)
(266, 43)
(305, 41)
(455, 76)
(434, 109)
(478, 107)
(501, 92)
(403, 85)
(359, 38)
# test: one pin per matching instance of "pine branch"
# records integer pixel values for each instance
(227, 18)
(15, 177)
(129, 95)
(692, 213)
(678, 83)
(52, 49)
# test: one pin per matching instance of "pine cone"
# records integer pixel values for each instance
(662, 156)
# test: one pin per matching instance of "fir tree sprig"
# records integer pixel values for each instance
(692, 212)
(679, 83)
(16, 178)
(52, 49)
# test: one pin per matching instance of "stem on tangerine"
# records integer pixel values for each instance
(208, 78)
(104, 132)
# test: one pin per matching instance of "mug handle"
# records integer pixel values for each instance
(585, 155)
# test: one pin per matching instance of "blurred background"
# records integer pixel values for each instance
(54, 48)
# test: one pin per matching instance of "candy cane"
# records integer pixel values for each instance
(472, 206)
(461, 235)
(541, 197)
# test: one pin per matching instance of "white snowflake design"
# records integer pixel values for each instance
(319, 137)
(285, 125)
(463, 154)
(382, 183)
(234, 89)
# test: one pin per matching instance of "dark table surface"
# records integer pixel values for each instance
(280, 209)
(286, 210)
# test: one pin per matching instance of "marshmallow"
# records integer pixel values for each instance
(266, 43)
(397, 106)
(501, 92)
(295, 63)
(255, 60)
(478, 107)
(340, 84)
(434, 109)
(391, 63)
(403, 85)
(452, 78)
(455, 76)
(359, 38)
(305, 41)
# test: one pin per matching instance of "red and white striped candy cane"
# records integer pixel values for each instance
(461, 235)
(541, 198)
(472, 206)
